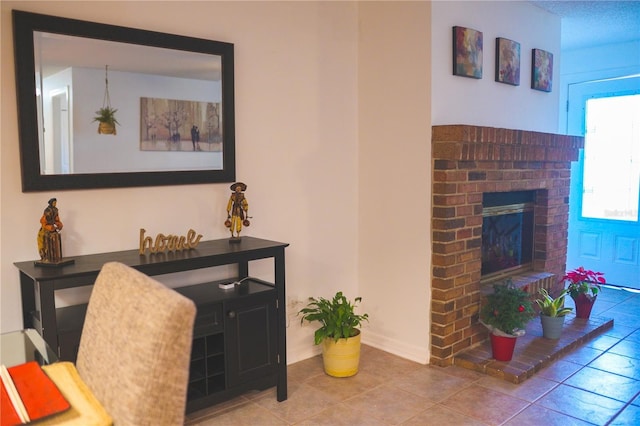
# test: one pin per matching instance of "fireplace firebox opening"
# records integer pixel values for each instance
(507, 233)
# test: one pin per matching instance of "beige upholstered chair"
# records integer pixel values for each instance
(135, 347)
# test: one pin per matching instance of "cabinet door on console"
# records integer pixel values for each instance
(250, 335)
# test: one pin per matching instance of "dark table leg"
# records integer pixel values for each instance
(282, 325)
(46, 306)
(27, 293)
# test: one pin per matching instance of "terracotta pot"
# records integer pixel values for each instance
(502, 347)
(584, 304)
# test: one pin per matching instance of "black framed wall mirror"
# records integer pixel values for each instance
(173, 96)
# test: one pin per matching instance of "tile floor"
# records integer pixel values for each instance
(598, 383)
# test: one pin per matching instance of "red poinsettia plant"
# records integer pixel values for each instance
(584, 281)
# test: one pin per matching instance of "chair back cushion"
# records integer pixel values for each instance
(135, 347)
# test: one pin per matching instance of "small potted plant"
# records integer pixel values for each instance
(506, 313)
(584, 286)
(106, 118)
(339, 332)
(552, 313)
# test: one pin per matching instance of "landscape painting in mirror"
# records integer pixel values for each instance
(175, 125)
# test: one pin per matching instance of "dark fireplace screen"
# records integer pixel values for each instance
(507, 231)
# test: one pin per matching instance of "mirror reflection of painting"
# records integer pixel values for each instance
(175, 125)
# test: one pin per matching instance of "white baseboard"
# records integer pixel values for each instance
(411, 352)
(301, 353)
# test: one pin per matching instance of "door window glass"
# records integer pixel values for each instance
(611, 176)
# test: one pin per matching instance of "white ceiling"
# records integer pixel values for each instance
(595, 23)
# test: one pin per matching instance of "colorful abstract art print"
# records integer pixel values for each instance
(541, 70)
(467, 52)
(507, 61)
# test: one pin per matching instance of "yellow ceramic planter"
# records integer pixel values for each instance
(341, 358)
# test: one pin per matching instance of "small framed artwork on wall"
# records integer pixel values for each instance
(507, 61)
(467, 52)
(541, 70)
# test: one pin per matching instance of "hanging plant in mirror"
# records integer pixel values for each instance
(105, 116)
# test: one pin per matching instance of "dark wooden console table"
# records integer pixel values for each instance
(261, 301)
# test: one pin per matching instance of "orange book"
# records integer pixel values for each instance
(28, 394)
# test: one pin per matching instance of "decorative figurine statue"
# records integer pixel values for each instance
(49, 243)
(237, 210)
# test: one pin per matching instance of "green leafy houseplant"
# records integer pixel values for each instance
(106, 115)
(583, 281)
(337, 317)
(507, 310)
(552, 307)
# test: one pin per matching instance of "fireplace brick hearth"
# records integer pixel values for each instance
(467, 162)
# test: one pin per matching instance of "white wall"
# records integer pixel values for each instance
(296, 120)
(394, 185)
(485, 102)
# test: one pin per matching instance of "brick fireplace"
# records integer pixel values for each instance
(469, 161)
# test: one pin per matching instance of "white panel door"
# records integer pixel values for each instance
(604, 231)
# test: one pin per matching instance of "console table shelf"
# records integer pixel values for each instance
(239, 334)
